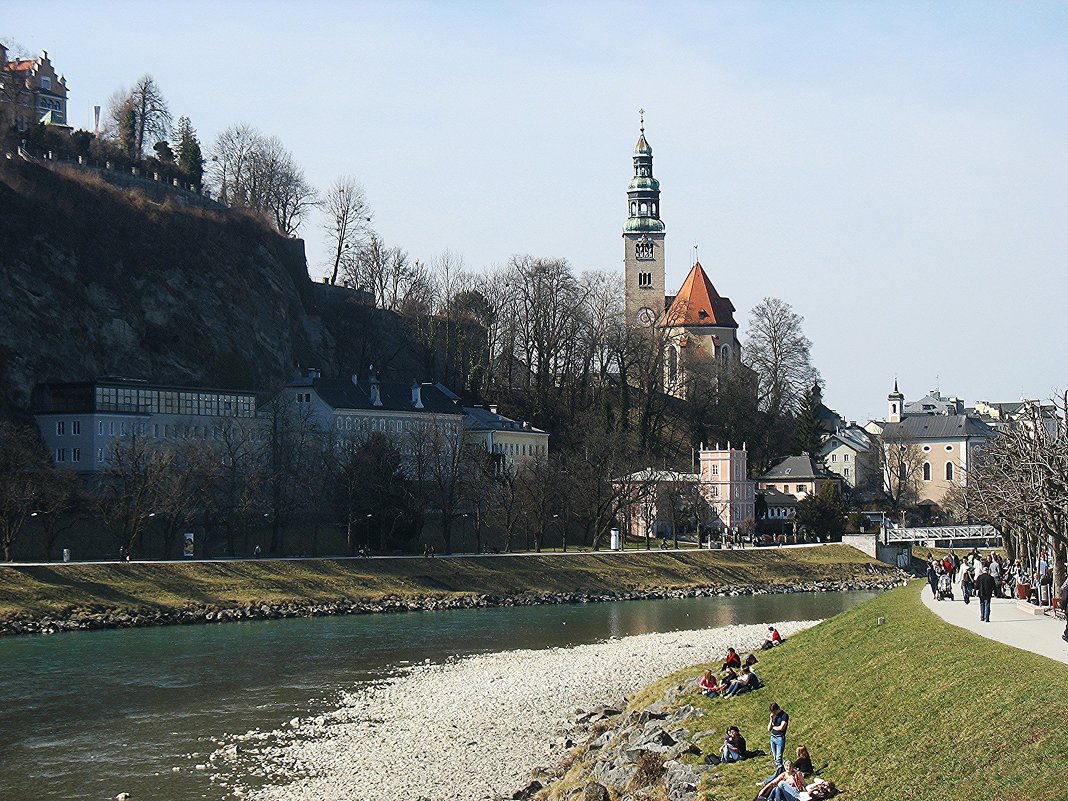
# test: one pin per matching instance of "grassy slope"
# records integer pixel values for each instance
(914, 709)
(37, 591)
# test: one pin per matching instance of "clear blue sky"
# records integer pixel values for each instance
(898, 172)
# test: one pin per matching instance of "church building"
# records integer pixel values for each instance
(697, 325)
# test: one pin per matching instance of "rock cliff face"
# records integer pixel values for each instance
(99, 281)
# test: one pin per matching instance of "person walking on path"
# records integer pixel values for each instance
(1064, 608)
(967, 586)
(984, 588)
(778, 722)
(932, 577)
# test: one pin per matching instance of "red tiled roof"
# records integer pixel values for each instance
(19, 66)
(698, 303)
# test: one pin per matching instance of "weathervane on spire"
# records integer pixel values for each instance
(695, 259)
(641, 118)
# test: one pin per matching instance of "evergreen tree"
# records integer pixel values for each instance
(187, 147)
(824, 513)
(807, 423)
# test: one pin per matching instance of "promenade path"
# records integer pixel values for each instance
(1039, 634)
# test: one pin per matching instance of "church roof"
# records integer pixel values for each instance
(698, 303)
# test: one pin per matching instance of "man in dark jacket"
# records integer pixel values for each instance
(984, 588)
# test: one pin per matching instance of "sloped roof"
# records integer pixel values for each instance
(774, 497)
(698, 303)
(339, 393)
(852, 437)
(797, 468)
(479, 419)
(939, 426)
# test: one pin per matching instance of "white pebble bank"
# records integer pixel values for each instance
(470, 729)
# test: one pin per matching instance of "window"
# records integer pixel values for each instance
(111, 428)
(76, 454)
(949, 447)
(75, 427)
(643, 249)
(100, 428)
(949, 471)
(46, 83)
(715, 469)
(645, 280)
(100, 454)
(800, 487)
(61, 454)
(845, 457)
(926, 471)
(59, 428)
(926, 448)
(834, 457)
(846, 472)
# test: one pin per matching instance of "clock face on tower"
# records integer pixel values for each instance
(646, 316)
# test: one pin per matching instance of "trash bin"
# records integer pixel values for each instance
(66, 554)
(1023, 591)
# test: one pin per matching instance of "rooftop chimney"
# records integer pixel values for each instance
(417, 395)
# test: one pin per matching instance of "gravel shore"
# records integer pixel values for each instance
(470, 729)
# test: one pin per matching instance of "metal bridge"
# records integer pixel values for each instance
(892, 533)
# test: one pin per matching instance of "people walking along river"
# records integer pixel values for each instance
(984, 588)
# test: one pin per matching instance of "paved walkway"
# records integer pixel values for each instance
(1039, 634)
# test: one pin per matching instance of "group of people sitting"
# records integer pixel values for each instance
(731, 682)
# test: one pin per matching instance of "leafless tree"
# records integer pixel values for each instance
(257, 172)
(900, 464)
(140, 115)
(129, 492)
(348, 219)
(780, 354)
(24, 469)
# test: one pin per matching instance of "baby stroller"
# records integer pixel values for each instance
(945, 587)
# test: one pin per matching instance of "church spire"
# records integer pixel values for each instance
(643, 192)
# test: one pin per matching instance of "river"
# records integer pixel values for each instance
(86, 715)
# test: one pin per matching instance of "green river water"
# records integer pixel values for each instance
(86, 715)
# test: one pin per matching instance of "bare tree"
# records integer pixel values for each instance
(140, 115)
(348, 218)
(24, 466)
(258, 173)
(901, 463)
(780, 354)
(130, 490)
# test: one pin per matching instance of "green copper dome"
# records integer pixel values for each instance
(643, 225)
(643, 148)
(643, 183)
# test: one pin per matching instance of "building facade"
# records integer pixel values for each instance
(799, 476)
(81, 422)
(31, 91)
(512, 443)
(849, 453)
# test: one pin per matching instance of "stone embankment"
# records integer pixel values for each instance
(475, 727)
(113, 618)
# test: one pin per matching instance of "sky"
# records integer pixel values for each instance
(897, 172)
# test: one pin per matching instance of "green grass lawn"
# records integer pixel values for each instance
(913, 709)
(59, 588)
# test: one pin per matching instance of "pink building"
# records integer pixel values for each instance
(726, 485)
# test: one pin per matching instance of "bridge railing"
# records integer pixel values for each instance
(892, 533)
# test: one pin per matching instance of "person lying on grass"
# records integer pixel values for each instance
(749, 680)
(733, 749)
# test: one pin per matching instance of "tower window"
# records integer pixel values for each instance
(645, 280)
(643, 209)
(633, 209)
(643, 249)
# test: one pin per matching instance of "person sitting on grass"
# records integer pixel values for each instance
(733, 749)
(732, 660)
(787, 786)
(709, 685)
(747, 681)
(773, 639)
(803, 762)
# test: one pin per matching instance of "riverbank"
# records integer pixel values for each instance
(891, 701)
(71, 597)
(468, 729)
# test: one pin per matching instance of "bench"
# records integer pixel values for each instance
(1031, 609)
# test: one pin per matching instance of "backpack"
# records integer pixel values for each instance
(823, 790)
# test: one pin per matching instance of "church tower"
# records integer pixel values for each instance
(643, 240)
